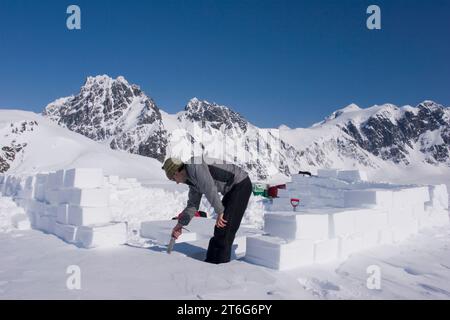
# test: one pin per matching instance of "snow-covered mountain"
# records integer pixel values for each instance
(30, 143)
(115, 112)
(120, 114)
(382, 134)
(219, 132)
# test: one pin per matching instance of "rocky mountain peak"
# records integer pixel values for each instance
(216, 115)
(113, 110)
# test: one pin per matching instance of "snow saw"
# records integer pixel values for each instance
(170, 245)
(172, 242)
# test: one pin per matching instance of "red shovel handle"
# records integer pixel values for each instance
(295, 202)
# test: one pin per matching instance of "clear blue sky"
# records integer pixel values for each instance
(275, 62)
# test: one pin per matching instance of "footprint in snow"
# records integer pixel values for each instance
(327, 285)
(318, 287)
(445, 266)
(413, 272)
(434, 289)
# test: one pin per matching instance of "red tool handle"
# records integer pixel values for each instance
(295, 202)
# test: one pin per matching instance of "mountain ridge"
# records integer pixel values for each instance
(120, 114)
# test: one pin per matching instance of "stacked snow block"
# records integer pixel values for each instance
(324, 190)
(341, 214)
(11, 185)
(277, 253)
(352, 175)
(325, 234)
(408, 209)
(438, 196)
(312, 192)
(327, 173)
(109, 235)
(436, 211)
(345, 175)
(72, 204)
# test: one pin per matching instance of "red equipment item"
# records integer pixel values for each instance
(273, 191)
(295, 202)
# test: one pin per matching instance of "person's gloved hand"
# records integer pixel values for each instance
(177, 230)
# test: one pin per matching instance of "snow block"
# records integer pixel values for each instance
(62, 214)
(161, 231)
(66, 232)
(370, 220)
(28, 191)
(39, 193)
(41, 222)
(84, 216)
(296, 225)
(41, 178)
(98, 197)
(279, 254)
(84, 178)
(397, 216)
(38, 207)
(410, 197)
(342, 223)
(51, 210)
(331, 193)
(439, 196)
(30, 182)
(282, 204)
(284, 193)
(25, 194)
(55, 180)
(46, 223)
(58, 196)
(352, 175)
(299, 181)
(110, 235)
(375, 198)
(326, 250)
(327, 173)
(306, 201)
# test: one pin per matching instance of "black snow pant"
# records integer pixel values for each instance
(235, 203)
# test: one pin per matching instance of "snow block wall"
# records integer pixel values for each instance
(341, 213)
(72, 204)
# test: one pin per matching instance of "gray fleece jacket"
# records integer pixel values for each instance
(209, 177)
